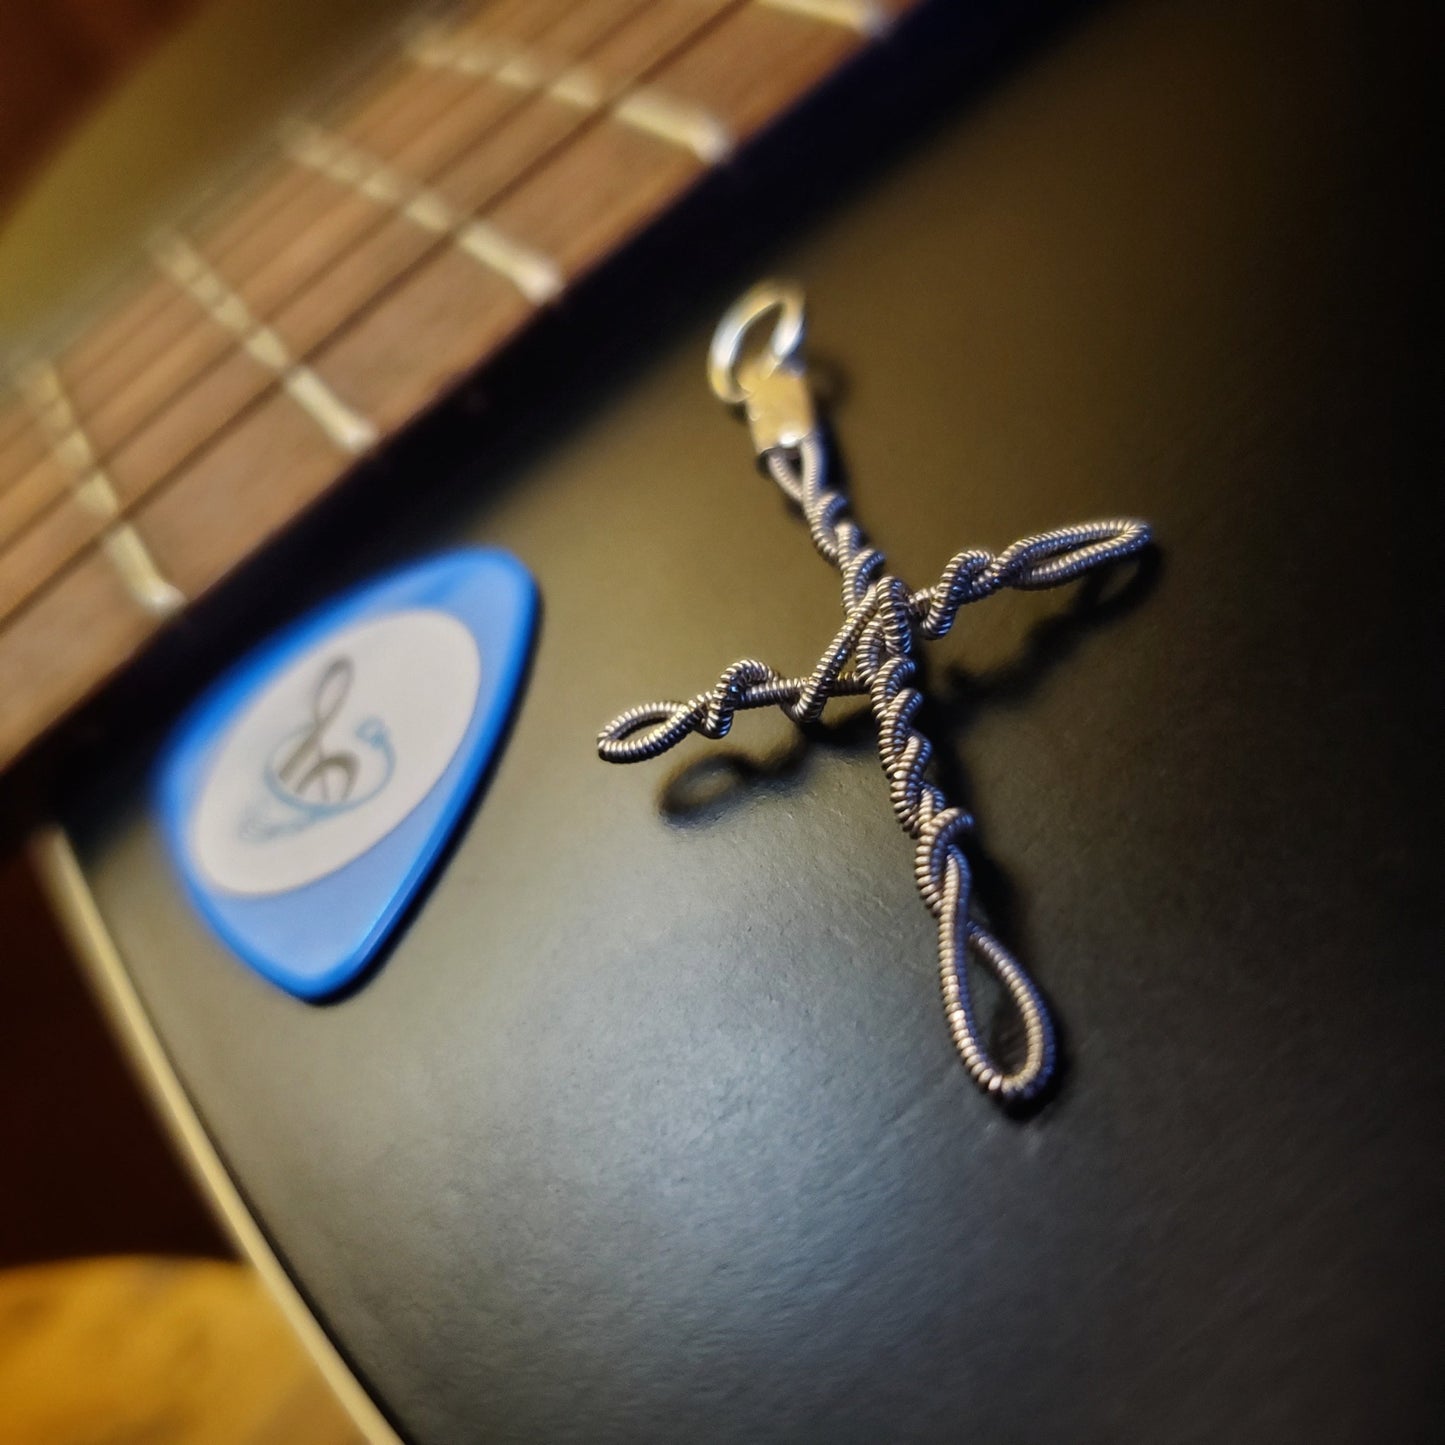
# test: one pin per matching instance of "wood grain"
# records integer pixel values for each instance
(138, 1349)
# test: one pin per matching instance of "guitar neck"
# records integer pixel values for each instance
(385, 247)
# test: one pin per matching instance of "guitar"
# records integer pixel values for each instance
(643, 1126)
(271, 339)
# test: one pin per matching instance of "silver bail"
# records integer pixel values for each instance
(769, 382)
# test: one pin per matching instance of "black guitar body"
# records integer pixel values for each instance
(648, 1127)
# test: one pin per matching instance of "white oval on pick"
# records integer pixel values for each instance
(417, 671)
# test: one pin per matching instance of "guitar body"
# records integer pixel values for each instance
(647, 1126)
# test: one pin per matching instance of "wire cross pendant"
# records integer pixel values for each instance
(872, 655)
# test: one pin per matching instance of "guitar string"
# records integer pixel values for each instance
(647, 109)
(346, 428)
(537, 278)
(164, 403)
(167, 403)
(395, 67)
(536, 275)
(261, 189)
(95, 494)
(265, 348)
(537, 163)
(694, 39)
(217, 236)
(264, 190)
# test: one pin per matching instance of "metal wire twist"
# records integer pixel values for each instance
(872, 654)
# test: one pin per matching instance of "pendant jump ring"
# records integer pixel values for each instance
(781, 299)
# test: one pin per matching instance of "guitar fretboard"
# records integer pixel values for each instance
(387, 246)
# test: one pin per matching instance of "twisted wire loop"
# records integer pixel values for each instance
(872, 654)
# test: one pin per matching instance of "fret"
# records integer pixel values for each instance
(634, 52)
(629, 52)
(424, 336)
(113, 410)
(597, 193)
(756, 65)
(863, 17)
(269, 466)
(168, 440)
(402, 107)
(172, 324)
(237, 494)
(345, 428)
(346, 216)
(378, 99)
(285, 207)
(408, 104)
(532, 273)
(612, 181)
(637, 44)
(217, 228)
(389, 248)
(135, 304)
(116, 417)
(302, 236)
(483, 177)
(678, 121)
(131, 333)
(487, 102)
(96, 515)
(482, 106)
(342, 292)
(323, 221)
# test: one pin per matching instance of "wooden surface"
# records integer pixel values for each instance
(402, 234)
(155, 1350)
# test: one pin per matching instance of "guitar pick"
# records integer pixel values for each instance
(309, 794)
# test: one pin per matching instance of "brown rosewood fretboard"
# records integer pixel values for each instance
(393, 242)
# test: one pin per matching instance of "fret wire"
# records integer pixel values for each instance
(674, 53)
(93, 491)
(669, 118)
(863, 16)
(536, 276)
(346, 429)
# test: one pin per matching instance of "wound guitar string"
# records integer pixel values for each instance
(872, 655)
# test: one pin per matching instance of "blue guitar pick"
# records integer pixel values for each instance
(308, 795)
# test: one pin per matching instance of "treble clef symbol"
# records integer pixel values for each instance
(307, 769)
